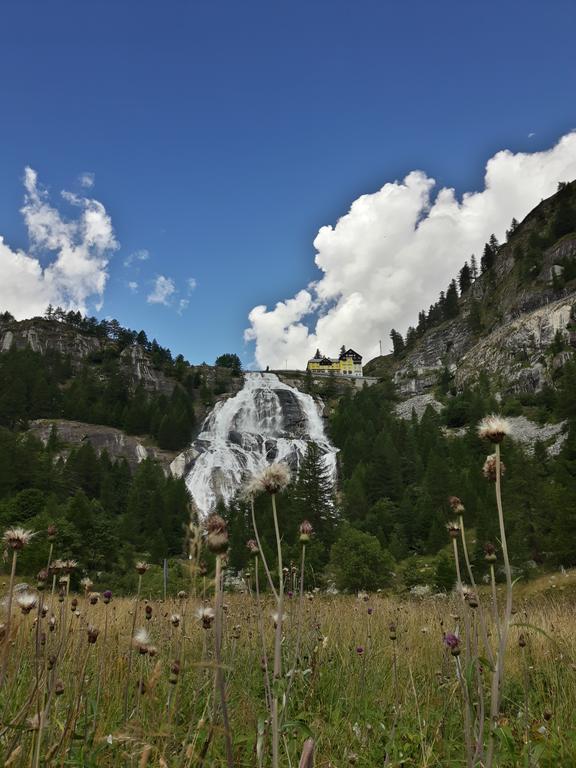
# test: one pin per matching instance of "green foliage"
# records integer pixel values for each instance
(104, 515)
(309, 497)
(396, 475)
(229, 360)
(445, 573)
(48, 389)
(359, 562)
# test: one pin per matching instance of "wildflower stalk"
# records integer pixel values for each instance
(467, 712)
(487, 645)
(130, 652)
(499, 667)
(219, 679)
(263, 639)
(299, 624)
(6, 648)
(103, 647)
(277, 643)
(264, 562)
(494, 600)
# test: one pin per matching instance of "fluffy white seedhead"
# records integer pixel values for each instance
(17, 538)
(453, 528)
(26, 600)
(141, 638)
(489, 468)
(273, 479)
(494, 428)
(205, 612)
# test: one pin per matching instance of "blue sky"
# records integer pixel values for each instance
(223, 135)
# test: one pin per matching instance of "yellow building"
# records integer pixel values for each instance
(349, 363)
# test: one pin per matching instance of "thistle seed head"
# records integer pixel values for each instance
(493, 428)
(206, 615)
(141, 567)
(252, 546)
(26, 601)
(306, 531)
(93, 633)
(52, 532)
(17, 538)
(276, 617)
(489, 552)
(489, 468)
(456, 505)
(41, 579)
(272, 480)
(453, 642)
(141, 640)
(216, 534)
(453, 529)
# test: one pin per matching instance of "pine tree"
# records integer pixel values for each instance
(473, 267)
(397, 342)
(450, 307)
(465, 278)
(487, 260)
(312, 496)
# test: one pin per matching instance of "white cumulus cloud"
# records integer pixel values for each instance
(133, 285)
(163, 291)
(141, 255)
(67, 260)
(395, 250)
(87, 179)
(191, 283)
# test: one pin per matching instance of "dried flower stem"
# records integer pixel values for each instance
(487, 645)
(263, 639)
(299, 624)
(499, 668)
(219, 676)
(6, 649)
(131, 650)
(264, 562)
(277, 643)
(494, 600)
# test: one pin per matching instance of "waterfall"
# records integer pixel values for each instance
(267, 421)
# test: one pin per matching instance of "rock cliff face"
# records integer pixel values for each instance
(135, 364)
(517, 354)
(42, 336)
(527, 315)
(116, 443)
(49, 336)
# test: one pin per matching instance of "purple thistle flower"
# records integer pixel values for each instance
(451, 640)
(359, 650)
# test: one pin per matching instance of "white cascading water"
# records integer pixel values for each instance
(266, 422)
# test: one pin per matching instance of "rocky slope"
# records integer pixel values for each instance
(527, 316)
(136, 365)
(115, 442)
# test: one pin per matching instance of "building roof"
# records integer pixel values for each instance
(351, 353)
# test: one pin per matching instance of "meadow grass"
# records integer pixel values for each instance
(366, 698)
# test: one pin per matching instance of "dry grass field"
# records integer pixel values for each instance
(373, 683)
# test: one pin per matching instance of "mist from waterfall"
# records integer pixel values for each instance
(267, 421)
